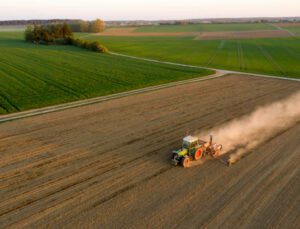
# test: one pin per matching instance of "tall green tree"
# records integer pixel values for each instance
(56, 31)
(37, 33)
(66, 31)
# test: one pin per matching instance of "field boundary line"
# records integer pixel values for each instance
(280, 28)
(84, 102)
(208, 68)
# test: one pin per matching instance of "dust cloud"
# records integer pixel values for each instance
(243, 135)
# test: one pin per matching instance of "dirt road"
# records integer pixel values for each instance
(107, 165)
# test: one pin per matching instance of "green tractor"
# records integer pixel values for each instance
(194, 149)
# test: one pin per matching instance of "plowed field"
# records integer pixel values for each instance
(107, 165)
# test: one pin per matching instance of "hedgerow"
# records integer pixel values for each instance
(60, 34)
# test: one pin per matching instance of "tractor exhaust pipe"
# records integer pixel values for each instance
(210, 139)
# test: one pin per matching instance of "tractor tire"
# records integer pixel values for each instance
(185, 162)
(197, 154)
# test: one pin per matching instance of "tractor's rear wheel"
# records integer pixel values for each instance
(197, 154)
(185, 162)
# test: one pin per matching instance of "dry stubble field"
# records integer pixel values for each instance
(107, 165)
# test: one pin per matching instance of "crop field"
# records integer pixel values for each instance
(11, 28)
(131, 32)
(34, 76)
(107, 165)
(254, 48)
(273, 56)
(243, 34)
(294, 30)
(206, 27)
(202, 31)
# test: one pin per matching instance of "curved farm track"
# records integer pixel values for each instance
(107, 165)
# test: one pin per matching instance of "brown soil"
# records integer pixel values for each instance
(243, 35)
(120, 30)
(296, 24)
(131, 33)
(107, 165)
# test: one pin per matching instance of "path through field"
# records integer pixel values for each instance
(107, 165)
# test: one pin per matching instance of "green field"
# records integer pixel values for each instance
(10, 28)
(272, 56)
(206, 27)
(295, 30)
(33, 76)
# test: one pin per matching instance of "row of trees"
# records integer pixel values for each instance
(96, 26)
(54, 33)
(59, 34)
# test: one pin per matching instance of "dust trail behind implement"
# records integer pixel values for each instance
(245, 134)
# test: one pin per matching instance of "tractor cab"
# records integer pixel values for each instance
(189, 142)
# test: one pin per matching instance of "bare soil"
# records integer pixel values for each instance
(295, 24)
(130, 33)
(243, 34)
(120, 30)
(107, 165)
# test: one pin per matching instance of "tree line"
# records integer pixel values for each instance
(96, 26)
(59, 34)
(47, 34)
(39, 22)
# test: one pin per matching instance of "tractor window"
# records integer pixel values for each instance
(193, 144)
(185, 145)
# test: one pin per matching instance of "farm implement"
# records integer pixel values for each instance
(194, 149)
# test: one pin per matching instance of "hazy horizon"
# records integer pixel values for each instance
(154, 10)
(141, 19)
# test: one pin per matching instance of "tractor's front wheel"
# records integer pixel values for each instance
(185, 162)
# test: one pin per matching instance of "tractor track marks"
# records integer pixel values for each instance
(215, 53)
(271, 60)
(107, 165)
(62, 87)
(240, 56)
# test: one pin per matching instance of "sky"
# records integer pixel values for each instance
(146, 9)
